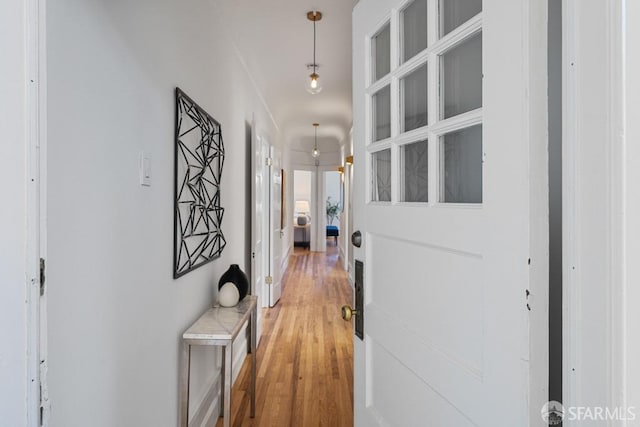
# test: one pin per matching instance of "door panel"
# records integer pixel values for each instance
(397, 391)
(275, 234)
(258, 271)
(446, 316)
(447, 279)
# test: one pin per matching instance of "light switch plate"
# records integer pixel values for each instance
(145, 169)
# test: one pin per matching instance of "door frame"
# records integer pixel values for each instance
(586, 124)
(315, 171)
(36, 208)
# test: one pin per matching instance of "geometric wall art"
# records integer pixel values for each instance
(199, 157)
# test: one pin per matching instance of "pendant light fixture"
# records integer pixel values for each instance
(315, 153)
(313, 85)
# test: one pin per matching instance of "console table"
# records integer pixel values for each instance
(219, 326)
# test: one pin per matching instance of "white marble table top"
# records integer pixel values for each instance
(221, 323)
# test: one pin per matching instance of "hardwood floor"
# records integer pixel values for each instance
(305, 356)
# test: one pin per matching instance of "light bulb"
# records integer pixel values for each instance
(314, 85)
(315, 153)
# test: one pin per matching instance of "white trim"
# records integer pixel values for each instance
(369, 74)
(616, 202)
(571, 340)
(458, 36)
(436, 125)
(536, 20)
(594, 294)
(35, 27)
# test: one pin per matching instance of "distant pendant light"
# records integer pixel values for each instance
(315, 153)
(314, 86)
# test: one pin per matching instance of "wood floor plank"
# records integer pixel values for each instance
(305, 356)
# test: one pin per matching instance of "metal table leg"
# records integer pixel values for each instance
(185, 363)
(228, 363)
(253, 332)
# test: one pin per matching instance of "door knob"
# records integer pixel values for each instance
(348, 312)
(356, 238)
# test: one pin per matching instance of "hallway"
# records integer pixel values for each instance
(305, 365)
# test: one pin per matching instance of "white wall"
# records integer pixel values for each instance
(302, 185)
(116, 314)
(13, 173)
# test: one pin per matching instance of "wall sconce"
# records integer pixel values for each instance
(341, 169)
(348, 160)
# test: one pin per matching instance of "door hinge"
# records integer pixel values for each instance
(268, 161)
(42, 276)
(268, 280)
(45, 405)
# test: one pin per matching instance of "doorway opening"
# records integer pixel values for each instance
(302, 218)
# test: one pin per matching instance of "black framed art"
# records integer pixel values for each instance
(199, 158)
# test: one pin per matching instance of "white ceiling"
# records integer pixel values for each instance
(276, 41)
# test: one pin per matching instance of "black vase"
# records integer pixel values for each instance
(238, 278)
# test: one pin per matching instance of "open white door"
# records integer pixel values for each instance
(258, 271)
(450, 198)
(275, 229)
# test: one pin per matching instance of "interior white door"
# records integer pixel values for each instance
(449, 184)
(258, 270)
(275, 234)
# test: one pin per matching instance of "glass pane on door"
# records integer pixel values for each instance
(381, 176)
(413, 89)
(461, 166)
(415, 171)
(381, 51)
(414, 29)
(461, 77)
(454, 13)
(382, 114)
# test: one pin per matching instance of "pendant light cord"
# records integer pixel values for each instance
(314, 43)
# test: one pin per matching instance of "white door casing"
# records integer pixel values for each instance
(455, 297)
(38, 405)
(600, 224)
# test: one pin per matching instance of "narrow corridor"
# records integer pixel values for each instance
(305, 356)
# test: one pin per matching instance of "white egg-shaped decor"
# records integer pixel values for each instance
(228, 295)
